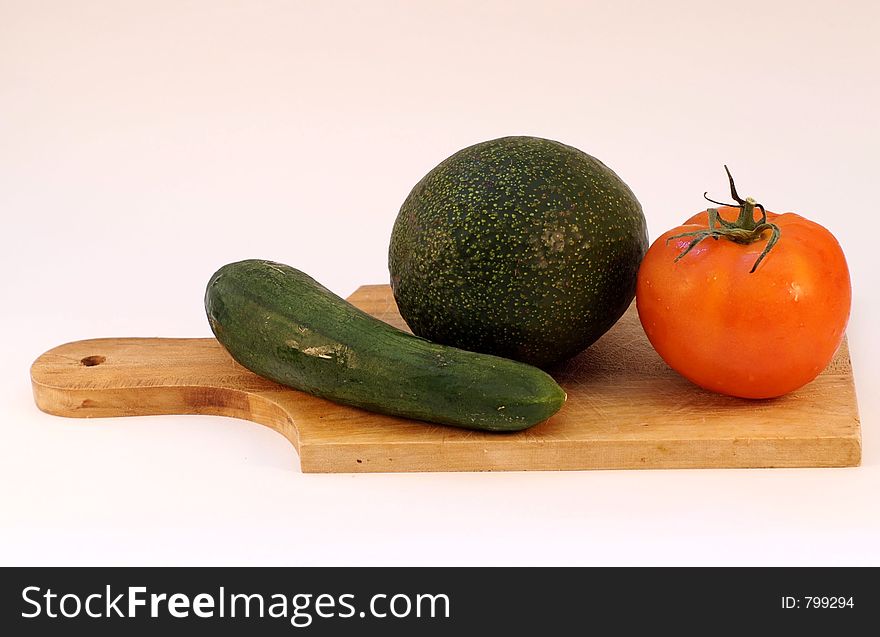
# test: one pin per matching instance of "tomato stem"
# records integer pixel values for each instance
(744, 230)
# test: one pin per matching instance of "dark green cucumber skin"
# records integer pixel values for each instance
(283, 325)
(521, 247)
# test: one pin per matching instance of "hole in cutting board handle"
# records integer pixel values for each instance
(91, 361)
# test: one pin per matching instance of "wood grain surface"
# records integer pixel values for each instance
(626, 409)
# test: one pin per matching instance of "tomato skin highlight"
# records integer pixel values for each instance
(757, 335)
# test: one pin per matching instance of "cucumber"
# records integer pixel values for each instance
(283, 325)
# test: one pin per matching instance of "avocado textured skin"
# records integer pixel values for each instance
(520, 247)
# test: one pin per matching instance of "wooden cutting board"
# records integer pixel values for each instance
(626, 409)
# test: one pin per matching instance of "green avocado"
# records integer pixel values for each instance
(520, 247)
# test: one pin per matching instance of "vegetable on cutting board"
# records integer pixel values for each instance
(520, 247)
(745, 302)
(283, 325)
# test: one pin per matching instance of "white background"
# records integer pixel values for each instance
(144, 144)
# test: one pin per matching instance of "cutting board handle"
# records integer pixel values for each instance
(110, 377)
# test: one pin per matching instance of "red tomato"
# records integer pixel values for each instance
(754, 334)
